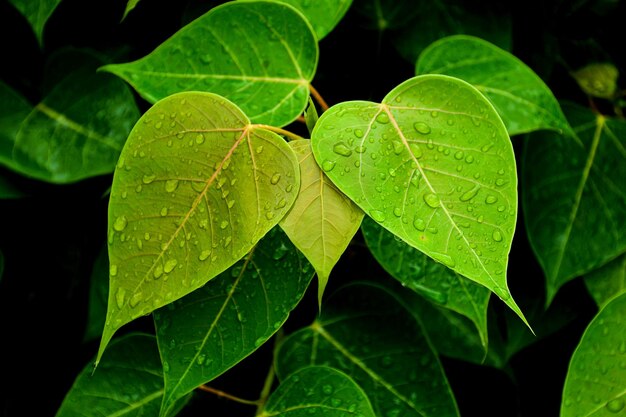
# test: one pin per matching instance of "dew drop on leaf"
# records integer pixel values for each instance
(170, 265)
(615, 406)
(119, 297)
(469, 194)
(120, 223)
(377, 215)
(432, 200)
(148, 178)
(491, 199)
(383, 118)
(497, 236)
(171, 185)
(422, 128)
(342, 149)
(275, 178)
(328, 165)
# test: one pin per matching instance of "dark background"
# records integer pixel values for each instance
(51, 238)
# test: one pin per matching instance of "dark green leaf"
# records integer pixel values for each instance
(261, 55)
(318, 390)
(215, 327)
(37, 13)
(13, 110)
(364, 332)
(598, 80)
(596, 378)
(574, 201)
(98, 295)
(387, 14)
(323, 15)
(608, 281)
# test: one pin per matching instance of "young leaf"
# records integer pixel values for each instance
(364, 332)
(430, 279)
(318, 390)
(433, 164)
(310, 116)
(98, 295)
(521, 98)
(37, 13)
(195, 188)
(323, 220)
(128, 382)
(323, 15)
(608, 281)
(210, 330)
(130, 5)
(574, 203)
(596, 378)
(261, 55)
(13, 110)
(598, 80)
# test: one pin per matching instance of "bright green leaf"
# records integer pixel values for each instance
(323, 220)
(98, 295)
(37, 13)
(574, 199)
(323, 15)
(430, 279)
(130, 5)
(13, 110)
(433, 164)
(195, 188)
(598, 80)
(260, 55)
(521, 98)
(608, 281)
(128, 382)
(596, 378)
(310, 116)
(366, 333)
(318, 390)
(215, 327)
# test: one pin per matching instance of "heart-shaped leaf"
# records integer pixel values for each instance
(596, 378)
(523, 100)
(195, 188)
(212, 329)
(37, 13)
(323, 15)
(261, 55)
(323, 220)
(318, 390)
(433, 164)
(608, 281)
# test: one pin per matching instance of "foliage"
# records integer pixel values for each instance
(192, 225)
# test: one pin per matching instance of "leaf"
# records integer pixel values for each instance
(37, 12)
(598, 79)
(432, 280)
(323, 15)
(261, 55)
(322, 221)
(318, 390)
(212, 329)
(387, 14)
(574, 203)
(364, 332)
(98, 296)
(196, 187)
(13, 110)
(596, 379)
(76, 132)
(608, 281)
(522, 99)
(310, 116)
(433, 164)
(129, 381)
(130, 5)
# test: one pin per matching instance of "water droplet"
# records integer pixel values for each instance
(383, 118)
(259, 341)
(497, 236)
(342, 149)
(459, 155)
(204, 255)
(500, 182)
(327, 389)
(422, 128)
(170, 265)
(419, 224)
(224, 224)
(259, 149)
(445, 259)
(120, 223)
(164, 211)
(135, 299)
(171, 185)
(616, 405)
(358, 133)
(503, 293)
(491, 199)
(119, 297)
(148, 178)
(158, 271)
(469, 194)
(200, 139)
(432, 200)
(158, 125)
(416, 150)
(275, 178)
(397, 212)
(377, 215)
(280, 252)
(200, 359)
(398, 147)
(227, 241)
(328, 165)
(469, 159)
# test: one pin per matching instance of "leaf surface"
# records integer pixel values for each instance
(433, 164)
(260, 55)
(364, 332)
(574, 201)
(13, 110)
(318, 390)
(130, 5)
(323, 220)
(323, 15)
(607, 281)
(212, 329)
(596, 379)
(523, 100)
(37, 13)
(598, 79)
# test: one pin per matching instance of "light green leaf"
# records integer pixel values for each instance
(596, 378)
(574, 200)
(130, 5)
(323, 220)
(195, 188)
(318, 390)
(13, 110)
(523, 100)
(366, 333)
(261, 55)
(212, 329)
(430, 279)
(37, 13)
(128, 382)
(433, 164)
(98, 296)
(323, 15)
(598, 80)
(310, 116)
(608, 281)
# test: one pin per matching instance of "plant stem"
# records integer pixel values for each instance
(227, 395)
(316, 95)
(288, 134)
(301, 119)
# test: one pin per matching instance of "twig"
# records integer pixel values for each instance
(227, 395)
(316, 95)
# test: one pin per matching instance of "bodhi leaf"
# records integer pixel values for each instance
(323, 15)
(574, 201)
(430, 279)
(608, 281)
(195, 188)
(129, 382)
(523, 100)
(260, 55)
(323, 220)
(37, 13)
(366, 333)
(210, 330)
(598, 80)
(596, 379)
(318, 390)
(433, 164)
